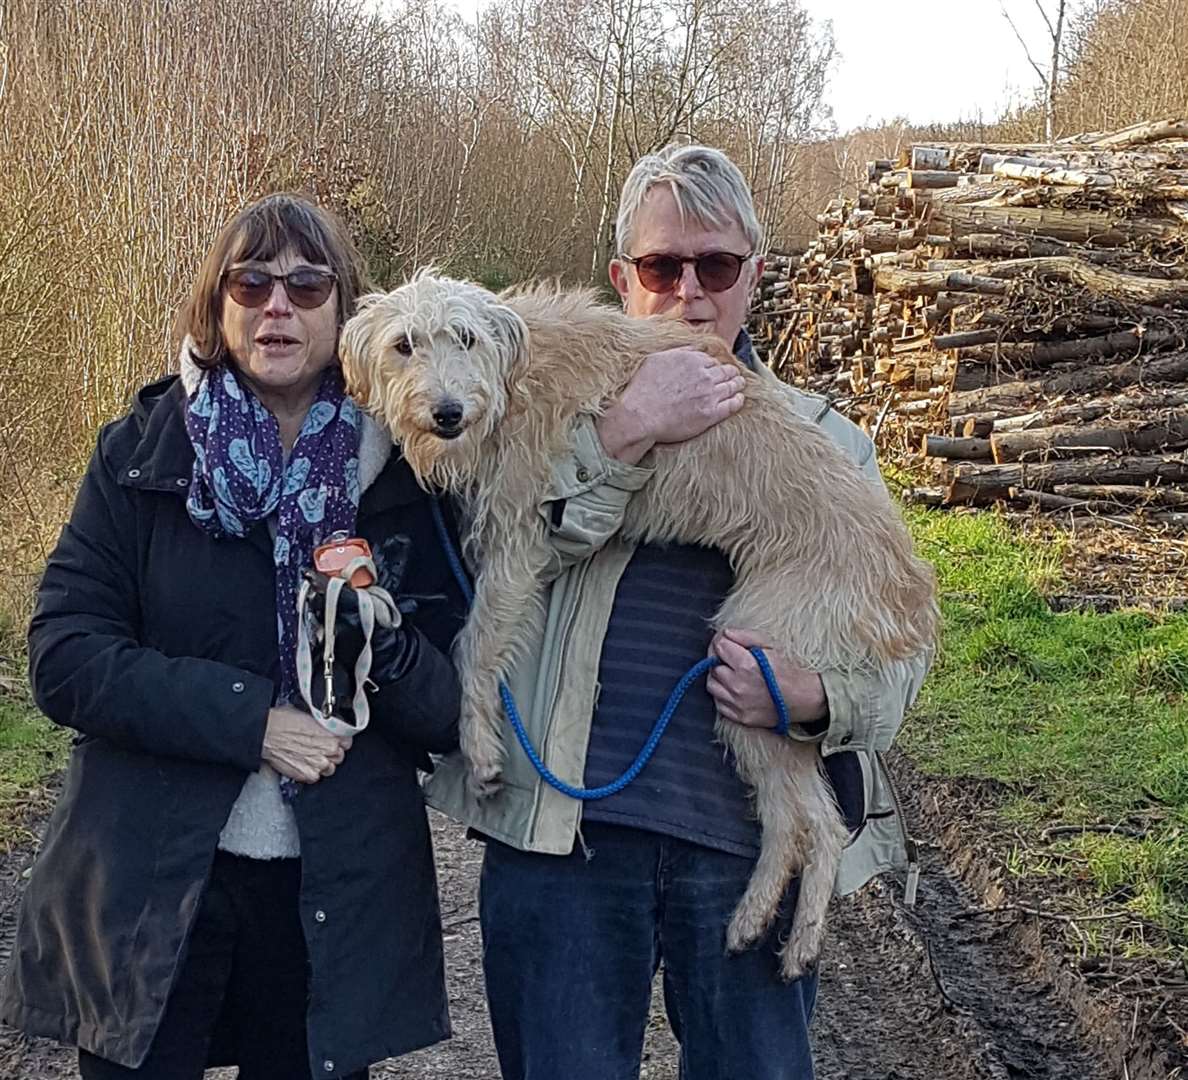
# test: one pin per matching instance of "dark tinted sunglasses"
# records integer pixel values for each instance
(716, 270)
(306, 287)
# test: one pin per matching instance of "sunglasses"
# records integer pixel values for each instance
(716, 270)
(306, 287)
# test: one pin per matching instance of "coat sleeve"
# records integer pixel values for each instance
(588, 497)
(420, 709)
(88, 668)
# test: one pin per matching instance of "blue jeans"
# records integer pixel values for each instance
(571, 945)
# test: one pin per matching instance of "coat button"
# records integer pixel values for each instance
(846, 739)
(237, 688)
(328, 1065)
(319, 916)
(583, 475)
(133, 474)
(182, 482)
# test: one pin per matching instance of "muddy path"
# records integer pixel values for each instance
(932, 993)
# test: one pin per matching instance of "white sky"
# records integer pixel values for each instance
(929, 60)
(926, 60)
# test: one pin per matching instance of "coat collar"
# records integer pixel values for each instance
(744, 349)
(375, 444)
(163, 460)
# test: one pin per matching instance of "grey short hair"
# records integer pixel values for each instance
(706, 185)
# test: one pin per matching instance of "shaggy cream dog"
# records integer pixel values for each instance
(481, 392)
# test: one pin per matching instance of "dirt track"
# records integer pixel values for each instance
(927, 994)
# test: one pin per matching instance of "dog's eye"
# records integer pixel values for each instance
(465, 337)
(403, 345)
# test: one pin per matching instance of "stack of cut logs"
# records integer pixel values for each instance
(1017, 315)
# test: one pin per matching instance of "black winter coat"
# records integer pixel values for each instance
(158, 644)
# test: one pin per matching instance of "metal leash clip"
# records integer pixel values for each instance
(342, 561)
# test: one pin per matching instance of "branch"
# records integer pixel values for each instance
(1051, 28)
(1026, 51)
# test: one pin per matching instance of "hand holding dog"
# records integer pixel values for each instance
(674, 396)
(298, 747)
(740, 692)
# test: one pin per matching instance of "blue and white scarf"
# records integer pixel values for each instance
(241, 478)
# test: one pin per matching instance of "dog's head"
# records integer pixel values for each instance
(434, 360)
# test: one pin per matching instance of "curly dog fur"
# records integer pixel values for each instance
(481, 392)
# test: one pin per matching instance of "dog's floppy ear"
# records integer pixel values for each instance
(511, 336)
(354, 344)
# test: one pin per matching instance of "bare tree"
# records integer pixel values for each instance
(1049, 79)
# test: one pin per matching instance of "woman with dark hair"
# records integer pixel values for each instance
(226, 879)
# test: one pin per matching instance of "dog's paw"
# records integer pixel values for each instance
(797, 959)
(484, 783)
(746, 927)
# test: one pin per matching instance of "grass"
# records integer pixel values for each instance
(1083, 716)
(31, 750)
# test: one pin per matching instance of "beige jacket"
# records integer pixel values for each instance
(555, 683)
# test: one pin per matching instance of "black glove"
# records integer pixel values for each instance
(394, 650)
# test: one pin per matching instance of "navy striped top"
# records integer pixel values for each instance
(659, 628)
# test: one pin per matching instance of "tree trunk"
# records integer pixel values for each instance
(940, 446)
(1125, 493)
(908, 283)
(1017, 396)
(1126, 436)
(1129, 288)
(932, 178)
(1120, 406)
(1077, 226)
(1141, 134)
(980, 484)
(1043, 353)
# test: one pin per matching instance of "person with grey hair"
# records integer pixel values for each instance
(583, 901)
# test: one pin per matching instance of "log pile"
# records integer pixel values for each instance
(1014, 318)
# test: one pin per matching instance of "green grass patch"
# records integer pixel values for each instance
(1084, 716)
(31, 750)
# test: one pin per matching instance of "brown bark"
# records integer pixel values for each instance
(1078, 226)
(1054, 174)
(1125, 493)
(924, 496)
(932, 178)
(1043, 353)
(1045, 500)
(962, 339)
(1141, 134)
(972, 427)
(1017, 396)
(1102, 511)
(992, 245)
(1126, 436)
(929, 157)
(908, 283)
(940, 446)
(981, 484)
(1129, 288)
(1120, 406)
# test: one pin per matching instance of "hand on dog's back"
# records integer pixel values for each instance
(674, 396)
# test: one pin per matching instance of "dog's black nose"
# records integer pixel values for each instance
(447, 414)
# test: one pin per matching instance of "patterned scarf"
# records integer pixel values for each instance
(241, 478)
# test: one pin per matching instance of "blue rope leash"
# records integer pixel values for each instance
(649, 748)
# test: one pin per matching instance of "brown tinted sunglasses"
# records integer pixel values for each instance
(716, 270)
(306, 287)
